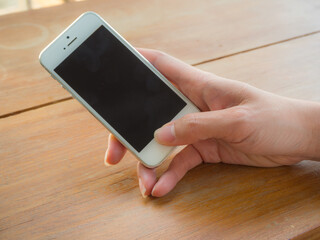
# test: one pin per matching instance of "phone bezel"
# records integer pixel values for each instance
(153, 154)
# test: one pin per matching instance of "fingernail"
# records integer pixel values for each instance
(165, 134)
(105, 159)
(142, 189)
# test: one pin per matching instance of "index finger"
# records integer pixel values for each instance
(189, 80)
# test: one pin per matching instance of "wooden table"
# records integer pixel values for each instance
(53, 183)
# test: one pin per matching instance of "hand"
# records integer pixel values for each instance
(239, 124)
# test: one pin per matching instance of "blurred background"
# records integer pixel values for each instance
(11, 6)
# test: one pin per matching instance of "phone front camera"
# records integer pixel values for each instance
(68, 37)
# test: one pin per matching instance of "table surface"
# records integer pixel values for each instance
(53, 183)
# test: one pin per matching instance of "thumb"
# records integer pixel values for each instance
(220, 124)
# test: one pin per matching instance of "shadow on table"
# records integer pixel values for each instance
(222, 194)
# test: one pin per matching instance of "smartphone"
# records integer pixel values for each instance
(109, 77)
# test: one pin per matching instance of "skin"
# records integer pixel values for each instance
(239, 124)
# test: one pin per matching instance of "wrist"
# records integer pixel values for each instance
(309, 117)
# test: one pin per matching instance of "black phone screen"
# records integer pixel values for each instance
(120, 87)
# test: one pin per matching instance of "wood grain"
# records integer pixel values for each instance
(193, 32)
(313, 234)
(53, 183)
(290, 69)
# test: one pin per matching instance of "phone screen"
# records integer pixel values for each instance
(119, 87)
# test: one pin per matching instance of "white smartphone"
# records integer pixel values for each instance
(116, 84)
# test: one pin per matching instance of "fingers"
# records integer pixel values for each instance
(176, 70)
(228, 124)
(187, 159)
(115, 151)
(147, 179)
(188, 79)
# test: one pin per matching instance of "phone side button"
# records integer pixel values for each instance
(53, 77)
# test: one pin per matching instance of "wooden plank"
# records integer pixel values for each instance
(193, 32)
(53, 183)
(290, 69)
(313, 234)
(12, 6)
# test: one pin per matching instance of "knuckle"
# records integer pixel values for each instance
(190, 124)
(242, 123)
(159, 54)
(241, 117)
(158, 57)
(243, 91)
(207, 90)
(209, 94)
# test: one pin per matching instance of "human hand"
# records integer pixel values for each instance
(239, 124)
